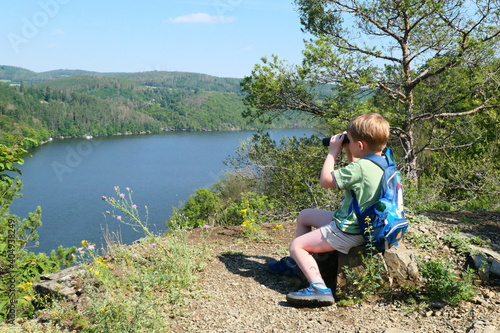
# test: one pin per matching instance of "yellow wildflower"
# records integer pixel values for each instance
(26, 285)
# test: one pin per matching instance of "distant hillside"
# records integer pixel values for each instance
(16, 74)
(74, 103)
(185, 80)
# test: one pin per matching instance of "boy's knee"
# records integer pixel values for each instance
(307, 211)
(292, 247)
(304, 215)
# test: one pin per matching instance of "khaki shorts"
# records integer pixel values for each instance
(341, 241)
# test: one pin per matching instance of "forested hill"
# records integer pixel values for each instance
(72, 103)
(154, 78)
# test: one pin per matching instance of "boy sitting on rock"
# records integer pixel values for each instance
(367, 134)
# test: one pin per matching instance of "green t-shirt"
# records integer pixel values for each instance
(363, 176)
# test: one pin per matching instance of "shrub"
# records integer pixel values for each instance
(443, 285)
(366, 282)
(202, 208)
(209, 207)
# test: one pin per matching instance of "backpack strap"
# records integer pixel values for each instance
(383, 163)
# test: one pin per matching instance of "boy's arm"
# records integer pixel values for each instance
(327, 179)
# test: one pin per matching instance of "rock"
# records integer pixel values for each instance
(328, 263)
(482, 327)
(396, 330)
(486, 262)
(352, 261)
(60, 284)
(399, 262)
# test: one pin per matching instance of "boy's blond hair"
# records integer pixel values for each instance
(371, 128)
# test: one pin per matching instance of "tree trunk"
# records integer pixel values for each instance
(411, 171)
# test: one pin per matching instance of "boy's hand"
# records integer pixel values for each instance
(336, 144)
(327, 178)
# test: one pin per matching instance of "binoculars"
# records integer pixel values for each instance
(326, 141)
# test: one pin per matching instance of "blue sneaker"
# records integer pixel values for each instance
(286, 266)
(311, 296)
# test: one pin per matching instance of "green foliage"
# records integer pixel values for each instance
(443, 285)
(77, 103)
(9, 156)
(466, 175)
(420, 239)
(252, 209)
(436, 86)
(127, 287)
(209, 207)
(365, 282)
(202, 208)
(275, 88)
(461, 243)
(286, 172)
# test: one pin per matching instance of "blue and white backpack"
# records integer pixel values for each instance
(383, 224)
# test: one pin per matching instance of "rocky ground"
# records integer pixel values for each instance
(241, 296)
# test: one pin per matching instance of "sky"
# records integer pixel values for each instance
(224, 38)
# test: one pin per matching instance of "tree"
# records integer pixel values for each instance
(390, 54)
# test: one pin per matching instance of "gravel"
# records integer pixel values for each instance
(235, 293)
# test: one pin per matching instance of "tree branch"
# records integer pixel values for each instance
(452, 147)
(455, 114)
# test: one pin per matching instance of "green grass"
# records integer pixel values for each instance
(134, 288)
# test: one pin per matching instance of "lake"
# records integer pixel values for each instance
(68, 178)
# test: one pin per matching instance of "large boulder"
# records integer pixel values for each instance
(486, 262)
(399, 263)
(61, 284)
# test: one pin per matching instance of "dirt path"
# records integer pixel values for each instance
(239, 295)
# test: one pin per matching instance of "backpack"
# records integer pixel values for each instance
(383, 224)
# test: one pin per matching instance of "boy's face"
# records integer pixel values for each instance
(357, 148)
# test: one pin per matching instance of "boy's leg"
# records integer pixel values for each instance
(301, 249)
(309, 218)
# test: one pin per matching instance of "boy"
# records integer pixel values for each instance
(367, 134)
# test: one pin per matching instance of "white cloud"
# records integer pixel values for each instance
(58, 32)
(202, 18)
(248, 48)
